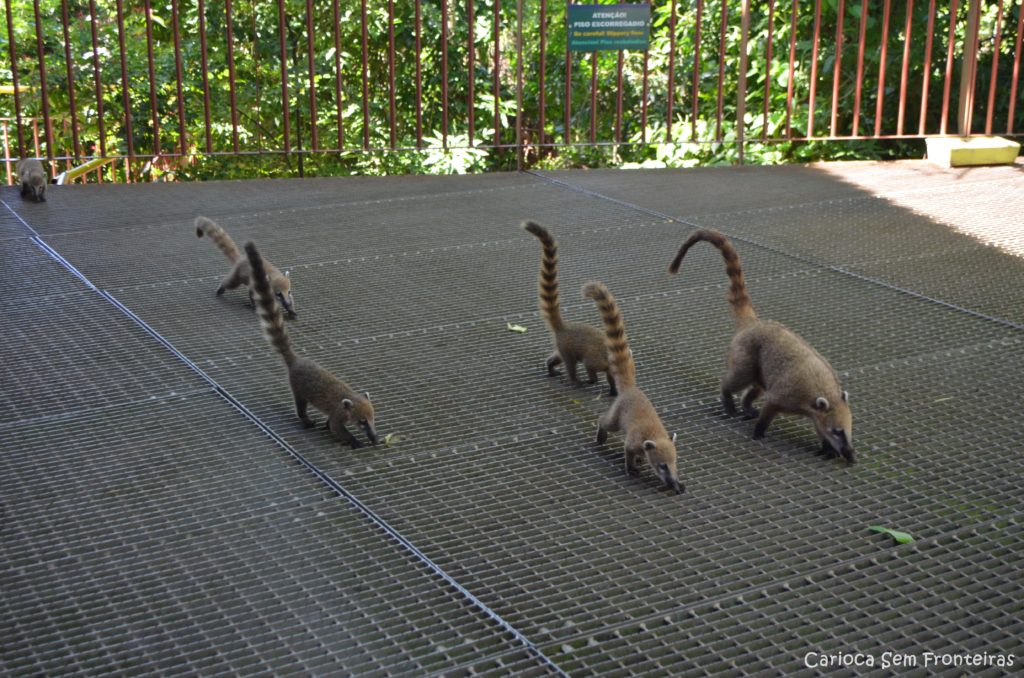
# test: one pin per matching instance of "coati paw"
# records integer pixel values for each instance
(602, 436)
(307, 423)
(632, 471)
(751, 413)
(355, 444)
(220, 290)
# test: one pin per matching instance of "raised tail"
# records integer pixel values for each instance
(614, 334)
(208, 227)
(739, 300)
(270, 314)
(548, 280)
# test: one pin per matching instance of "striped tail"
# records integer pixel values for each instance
(270, 314)
(742, 308)
(219, 237)
(548, 280)
(614, 334)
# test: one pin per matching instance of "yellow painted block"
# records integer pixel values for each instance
(964, 151)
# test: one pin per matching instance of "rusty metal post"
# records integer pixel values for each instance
(968, 69)
(741, 88)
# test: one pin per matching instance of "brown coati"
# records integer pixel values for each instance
(240, 269)
(574, 342)
(765, 357)
(311, 384)
(32, 178)
(632, 413)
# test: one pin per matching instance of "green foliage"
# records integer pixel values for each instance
(142, 117)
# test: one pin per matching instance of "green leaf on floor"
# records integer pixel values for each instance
(899, 537)
(515, 328)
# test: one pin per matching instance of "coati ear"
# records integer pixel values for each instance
(649, 445)
(673, 437)
(821, 404)
(366, 394)
(846, 396)
(347, 404)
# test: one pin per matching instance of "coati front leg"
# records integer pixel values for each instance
(740, 375)
(770, 411)
(591, 375)
(233, 280)
(344, 434)
(554, 361)
(752, 394)
(301, 406)
(571, 370)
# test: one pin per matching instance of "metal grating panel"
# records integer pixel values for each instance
(958, 594)
(174, 537)
(28, 272)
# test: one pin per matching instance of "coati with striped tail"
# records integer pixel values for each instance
(574, 342)
(632, 413)
(311, 384)
(765, 357)
(240, 273)
(32, 178)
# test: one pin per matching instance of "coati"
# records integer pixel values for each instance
(632, 412)
(240, 269)
(574, 342)
(32, 178)
(311, 384)
(765, 357)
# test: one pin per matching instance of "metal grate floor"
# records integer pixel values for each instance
(165, 512)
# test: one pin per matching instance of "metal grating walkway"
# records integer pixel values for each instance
(164, 511)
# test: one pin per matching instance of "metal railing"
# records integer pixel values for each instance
(117, 79)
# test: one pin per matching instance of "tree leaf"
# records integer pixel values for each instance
(515, 328)
(899, 537)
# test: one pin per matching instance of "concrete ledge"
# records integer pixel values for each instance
(965, 151)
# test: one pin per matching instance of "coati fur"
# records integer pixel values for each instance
(765, 357)
(574, 342)
(632, 413)
(311, 384)
(240, 273)
(32, 178)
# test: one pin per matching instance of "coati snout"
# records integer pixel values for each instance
(834, 425)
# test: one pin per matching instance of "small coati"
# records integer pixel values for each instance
(765, 357)
(311, 384)
(32, 178)
(574, 342)
(632, 413)
(240, 269)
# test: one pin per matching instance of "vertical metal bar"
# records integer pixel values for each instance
(768, 68)
(1016, 70)
(176, 29)
(593, 97)
(643, 99)
(12, 48)
(965, 111)
(256, 69)
(543, 65)
(471, 68)
(927, 70)
(335, 30)
(741, 89)
(201, 10)
(880, 96)
(70, 70)
(840, 15)
(568, 83)
(96, 79)
(792, 62)
(859, 87)
(618, 100)
(671, 71)
(497, 72)
(814, 68)
(125, 91)
(721, 70)
(44, 95)
(948, 82)
(906, 64)
(7, 154)
(231, 74)
(365, 73)
(444, 72)
(153, 110)
(281, 19)
(419, 76)
(696, 69)
(995, 68)
(519, 86)
(392, 106)
(314, 136)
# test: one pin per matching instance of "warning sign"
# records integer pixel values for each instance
(609, 27)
